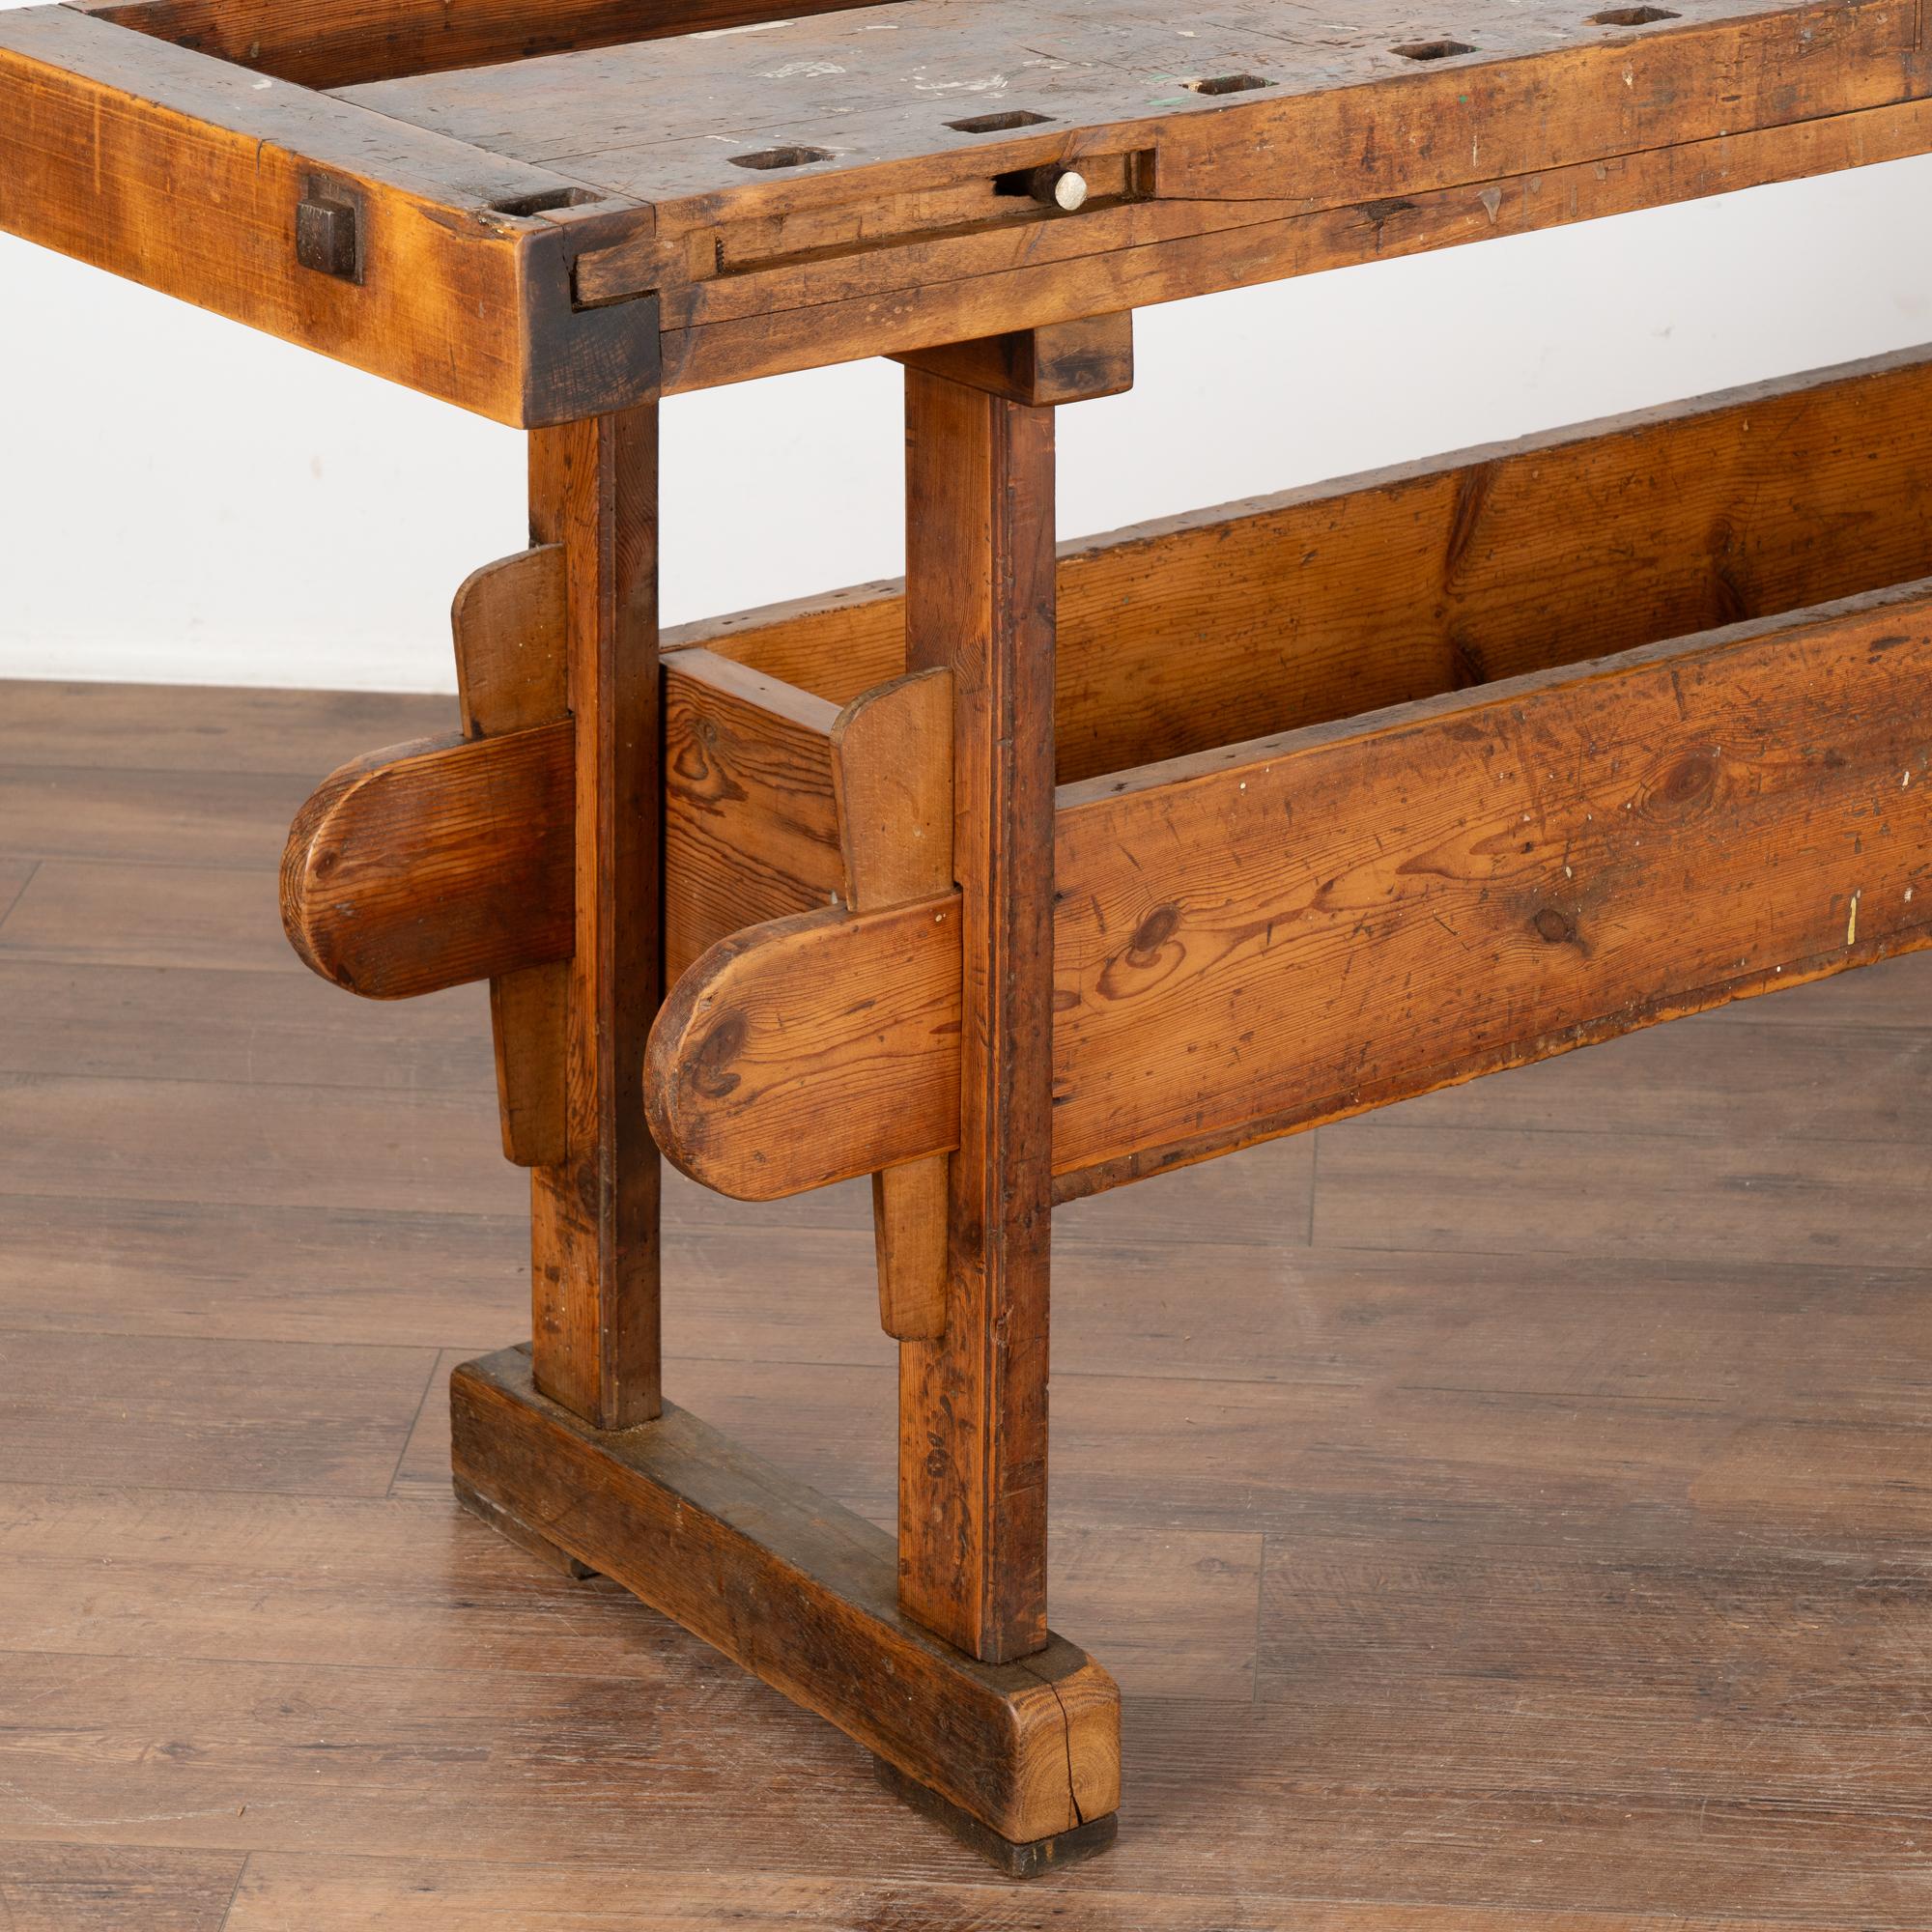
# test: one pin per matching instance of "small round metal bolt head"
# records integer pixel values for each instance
(1070, 191)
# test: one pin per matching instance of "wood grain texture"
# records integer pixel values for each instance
(786, 1057)
(979, 583)
(325, 44)
(68, 1888)
(893, 234)
(706, 1533)
(939, 290)
(426, 865)
(594, 1215)
(183, 172)
(1092, 72)
(750, 832)
(1287, 932)
(583, 226)
(1215, 626)
(891, 776)
(508, 623)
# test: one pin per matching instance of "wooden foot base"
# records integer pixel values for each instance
(521, 1533)
(1027, 1859)
(802, 1593)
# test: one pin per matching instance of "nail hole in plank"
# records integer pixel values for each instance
(996, 123)
(782, 158)
(1226, 83)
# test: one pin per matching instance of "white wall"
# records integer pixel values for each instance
(184, 500)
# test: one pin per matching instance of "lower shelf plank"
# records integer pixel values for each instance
(799, 1591)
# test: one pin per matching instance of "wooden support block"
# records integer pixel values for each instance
(507, 621)
(431, 864)
(892, 772)
(594, 1213)
(979, 603)
(1063, 362)
(799, 1591)
(745, 1100)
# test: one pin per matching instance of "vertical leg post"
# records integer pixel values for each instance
(980, 602)
(594, 1213)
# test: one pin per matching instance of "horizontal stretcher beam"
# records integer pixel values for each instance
(1260, 939)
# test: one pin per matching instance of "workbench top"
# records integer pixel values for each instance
(535, 213)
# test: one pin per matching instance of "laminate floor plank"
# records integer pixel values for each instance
(1755, 1196)
(102, 912)
(338, 1894)
(54, 1888)
(1508, 1513)
(1712, 1079)
(224, 818)
(261, 1144)
(277, 1417)
(210, 728)
(236, 1029)
(15, 874)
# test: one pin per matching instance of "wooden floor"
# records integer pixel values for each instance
(1510, 1511)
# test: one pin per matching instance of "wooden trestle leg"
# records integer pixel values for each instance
(935, 1653)
(594, 1214)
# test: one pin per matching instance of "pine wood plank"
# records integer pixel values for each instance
(509, 622)
(1434, 576)
(1484, 880)
(1215, 626)
(594, 1214)
(979, 586)
(750, 826)
(426, 865)
(888, 223)
(891, 778)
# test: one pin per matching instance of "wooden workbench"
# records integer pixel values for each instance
(1039, 873)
